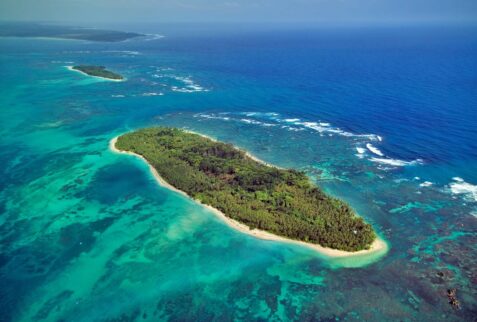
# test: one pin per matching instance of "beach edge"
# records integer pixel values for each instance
(379, 246)
(70, 68)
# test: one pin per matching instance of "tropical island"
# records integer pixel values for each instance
(53, 31)
(98, 71)
(250, 195)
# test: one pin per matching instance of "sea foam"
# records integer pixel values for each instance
(187, 84)
(327, 128)
(123, 52)
(460, 187)
(270, 119)
(212, 116)
(297, 124)
(374, 149)
(426, 184)
(360, 150)
(150, 37)
(249, 121)
(396, 162)
(360, 153)
(152, 94)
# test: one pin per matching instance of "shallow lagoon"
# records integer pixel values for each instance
(89, 235)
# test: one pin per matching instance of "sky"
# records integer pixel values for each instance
(290, 11)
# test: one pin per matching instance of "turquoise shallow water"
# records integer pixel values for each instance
(88, 235)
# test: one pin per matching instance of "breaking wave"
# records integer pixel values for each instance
(123, 52)
(271, 119)
(426, 184)
(396, 162)
(182, 84)
(150, 37)
(374, 149)
(152, 94)
(460, 187)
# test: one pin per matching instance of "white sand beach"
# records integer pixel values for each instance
(378, 246)
(99, 77)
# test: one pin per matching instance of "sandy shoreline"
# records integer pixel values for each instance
(104, 78)
(378, 246)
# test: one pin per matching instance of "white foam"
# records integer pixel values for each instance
(126, 52)
(162, 69)
(374, 149)
(396, 162)
(460, 187)
(77, 52)
(271, 115)
(255, 122)
(426, 184)
(319, 127)
(189, 90)
(61, 62)
(212, 116)
(400, 180)
(324, 127)
(291, 128)
(360, 150)
(152, 94)
(294, 124)
(150, 37)
(249, 121)
(188, 85)
(118, 96)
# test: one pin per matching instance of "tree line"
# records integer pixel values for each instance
(281, 201)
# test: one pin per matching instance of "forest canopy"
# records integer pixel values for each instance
(98, 71)
(281, 201)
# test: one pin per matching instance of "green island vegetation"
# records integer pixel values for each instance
(98, 71)
(281, 201)
(45, 30)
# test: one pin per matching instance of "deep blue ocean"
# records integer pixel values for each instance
(384, 118)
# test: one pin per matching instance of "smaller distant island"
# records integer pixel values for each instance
(97, 71)
(52, 31)
(250, 195)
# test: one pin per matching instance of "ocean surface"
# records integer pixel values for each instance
(383, 118)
